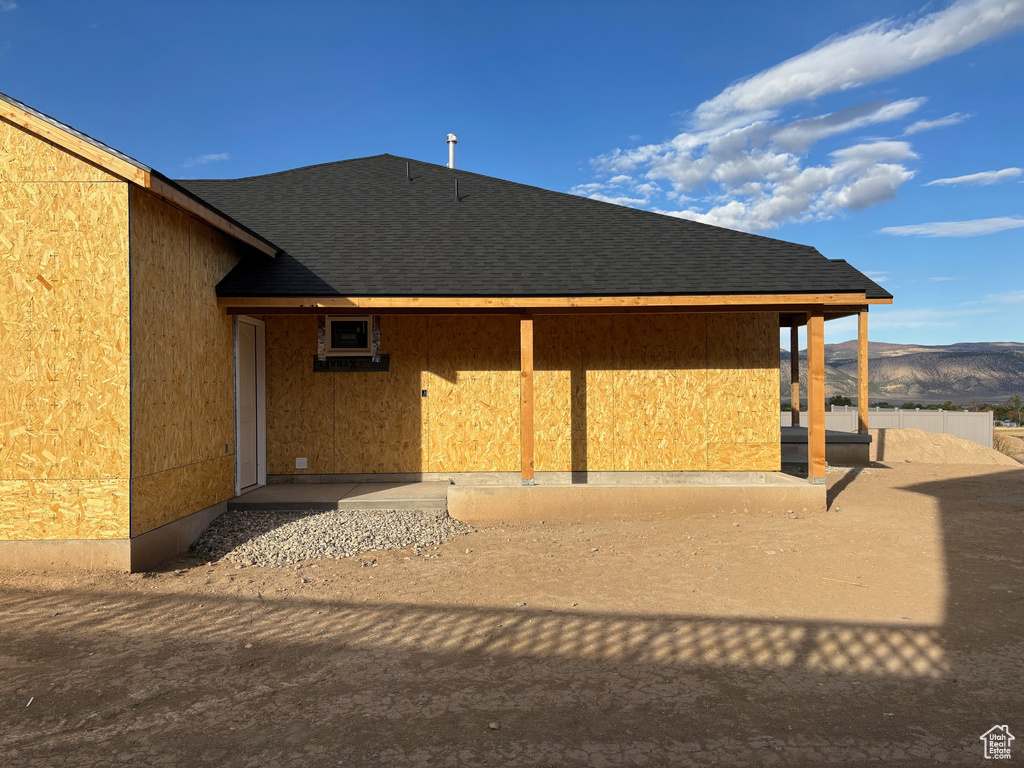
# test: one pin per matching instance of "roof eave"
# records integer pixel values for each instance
(121, 166)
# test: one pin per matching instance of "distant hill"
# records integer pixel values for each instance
(963, 372)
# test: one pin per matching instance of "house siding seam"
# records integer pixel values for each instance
(182, 365)
(685, 392)
(64, 329)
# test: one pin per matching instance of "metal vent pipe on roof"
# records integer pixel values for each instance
(452, 141)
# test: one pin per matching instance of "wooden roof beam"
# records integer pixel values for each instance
(780, 302)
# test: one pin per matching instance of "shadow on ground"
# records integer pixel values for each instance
(126, 678)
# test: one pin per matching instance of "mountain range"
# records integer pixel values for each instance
(986, 371)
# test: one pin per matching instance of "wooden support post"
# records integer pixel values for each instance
(794, 374)
(526, 397)
(862, 372)
(816, 397)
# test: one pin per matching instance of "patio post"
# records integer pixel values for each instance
(526, 397)
(794, 373)
(816, 397)
(862, 372)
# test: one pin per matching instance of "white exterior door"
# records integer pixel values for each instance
(248, 382)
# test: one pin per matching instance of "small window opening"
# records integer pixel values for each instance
(348, 335)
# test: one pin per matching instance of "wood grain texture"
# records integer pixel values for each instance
(762, 302)
(182, 364)
(745, 457)
(26, 157)
(627, 393)
(473, 387)
(743, 378)
(64, 509)
(816, 396)
(794, 375)
(300, 403)
(660, 392)
(862, 372)
(573, 393)
(64, 331)
(380, 419)
(526, 427)
(167, 496)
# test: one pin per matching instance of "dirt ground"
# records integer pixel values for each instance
(1010, 440)
(888, 630)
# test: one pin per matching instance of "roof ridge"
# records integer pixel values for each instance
(300, 168)
(463, 172)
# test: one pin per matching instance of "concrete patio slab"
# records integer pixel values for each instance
(323, 497)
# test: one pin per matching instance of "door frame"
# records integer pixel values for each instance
(261, 402)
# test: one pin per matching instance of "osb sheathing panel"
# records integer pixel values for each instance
(626, 393)
(380, 419)
(748, 457)
(63, 509)
(168, 496)
(300, 403)
(212, 343)
(161, 353)
(573, 388)
(64, 341)
(182, 364)
(660, 392)
(473, 388)
(25, 157)
(743, 378)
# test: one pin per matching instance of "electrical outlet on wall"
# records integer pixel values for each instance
(300, 463)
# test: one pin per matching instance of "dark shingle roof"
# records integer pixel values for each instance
(359, 228)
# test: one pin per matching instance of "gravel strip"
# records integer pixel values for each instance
(286, 538)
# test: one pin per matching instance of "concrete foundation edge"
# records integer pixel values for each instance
(492, 505)
(139, 554)
(153, 547)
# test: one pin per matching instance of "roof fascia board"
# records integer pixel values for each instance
(172, 193)
(163, 188)
(541, 303)
(76, 146)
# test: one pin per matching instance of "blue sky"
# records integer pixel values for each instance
(886, 133)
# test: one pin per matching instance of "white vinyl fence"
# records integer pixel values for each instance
(976, 427)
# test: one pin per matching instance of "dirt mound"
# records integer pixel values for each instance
(916, 445)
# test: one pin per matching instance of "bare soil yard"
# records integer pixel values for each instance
(888, 630)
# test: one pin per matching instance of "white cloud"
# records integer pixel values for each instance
(743, 164)
(7, 5)
(979, 179)
(883, 318)
(926, 125)
(621, 200)
(968, 228)
(799, 135)
(205, 159)
(588, 189)
(873, 52)
(1010, 297)
(940, 279)
(878, 277)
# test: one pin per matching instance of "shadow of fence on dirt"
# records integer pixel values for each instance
(817, 647)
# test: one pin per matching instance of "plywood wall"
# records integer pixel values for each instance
(300, 402)
(744, 427)
(381, 419)
(626, 393)
(25, 157)
(473, 389)
(182, 365)
(64, 335)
